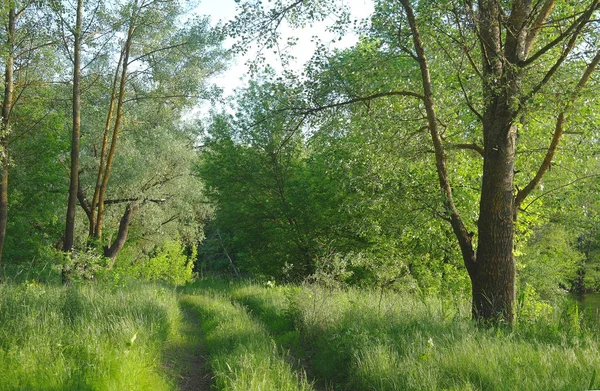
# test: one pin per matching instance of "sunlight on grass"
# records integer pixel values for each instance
(82, 337)
(359, 340)
(242, 355)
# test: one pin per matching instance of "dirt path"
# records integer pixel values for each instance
(186, 357)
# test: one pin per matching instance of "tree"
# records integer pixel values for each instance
(157, 68)
(516, 51)
(76, 131)
(141, 102)
(254, 174)
(288, 202)
(23, 45)
(7, 104)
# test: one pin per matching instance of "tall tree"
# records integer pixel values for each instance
(76, 131)
(516, 50)
(107, 153)
(7, 104)
(20, 47)
(160, 65)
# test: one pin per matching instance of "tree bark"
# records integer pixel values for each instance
(5, 131)
(111, 251)
(493, 279)
(76, 133)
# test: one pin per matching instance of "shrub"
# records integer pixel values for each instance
(172, 262)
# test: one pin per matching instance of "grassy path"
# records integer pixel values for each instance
(186, 355)
(242, 354)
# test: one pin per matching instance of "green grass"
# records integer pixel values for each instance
(94, 336)
(358, 340)
(242, 355)
(85, 337)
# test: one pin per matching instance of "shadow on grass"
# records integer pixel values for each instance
(282, 326)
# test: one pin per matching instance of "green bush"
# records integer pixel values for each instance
(82, 265)
(549, 261)
(172, 262)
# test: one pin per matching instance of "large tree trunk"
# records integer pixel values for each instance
(5, 130)
(493, 277)
(76, 132)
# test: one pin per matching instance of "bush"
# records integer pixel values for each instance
(82, 265)
(549, 261)
(172, 262)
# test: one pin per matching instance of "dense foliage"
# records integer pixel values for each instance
(136, 186)
(344, 169)
(323, 174)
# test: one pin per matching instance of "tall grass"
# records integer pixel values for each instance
(102, 337)
(85, 337)
(242, 355)
(360, 340)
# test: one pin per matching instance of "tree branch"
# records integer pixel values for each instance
(83, 202)
(577, 25)
(558, 188)
(157, 50)
(314, 110)
(553, 69)
(535, 28)
(473, 147)
(133, 199)
(462, 235)
(558, 132)
(468, 100)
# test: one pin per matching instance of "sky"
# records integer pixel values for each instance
(236, 75)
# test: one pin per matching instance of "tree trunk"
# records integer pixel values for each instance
(6, 111)
(493, 277)
(111, 251)
(104, 149)
(76, 132)
(113, 145)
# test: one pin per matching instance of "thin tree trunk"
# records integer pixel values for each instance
(76, 132)
(103, 152)
(235, 270)
(6, 111)
(116, 128)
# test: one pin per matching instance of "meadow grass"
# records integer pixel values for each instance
(85, 336)
(242, 355)
(361, 340)
(91, 336)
